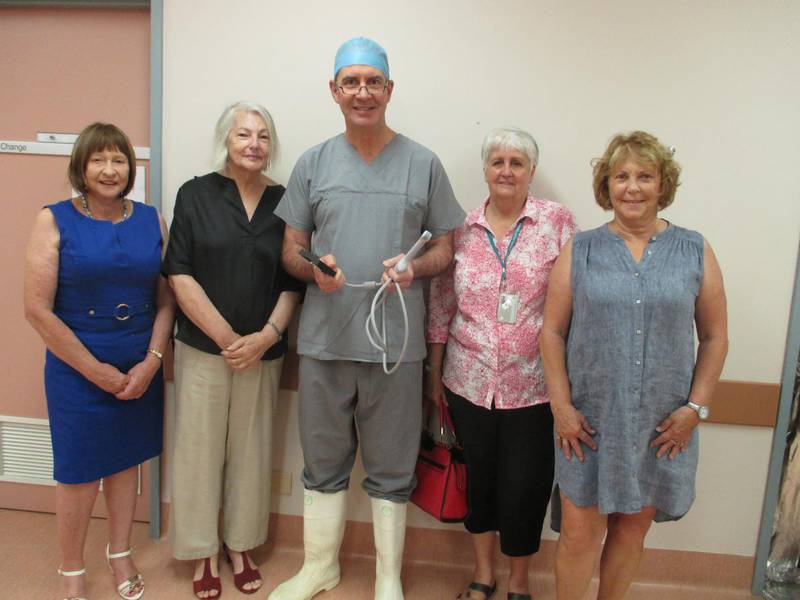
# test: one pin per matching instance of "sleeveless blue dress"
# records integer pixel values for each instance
(630, 360)
(107, 277)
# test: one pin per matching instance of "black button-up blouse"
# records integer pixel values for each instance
(237, 262)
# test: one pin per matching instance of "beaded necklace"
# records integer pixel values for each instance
(87, 210)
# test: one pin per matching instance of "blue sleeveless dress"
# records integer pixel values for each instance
(107, 277)
(630, 360)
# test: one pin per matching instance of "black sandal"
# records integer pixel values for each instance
(518, 596)
(487, 590)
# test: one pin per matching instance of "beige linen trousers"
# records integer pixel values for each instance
(223, 453)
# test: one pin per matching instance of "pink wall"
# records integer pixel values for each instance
(63, 68)
(60, 69)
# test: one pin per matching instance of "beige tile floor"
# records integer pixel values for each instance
(28, 560)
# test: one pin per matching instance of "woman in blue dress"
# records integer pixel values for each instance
(626, 389)
(94, 293)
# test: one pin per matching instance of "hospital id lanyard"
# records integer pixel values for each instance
(511, 244)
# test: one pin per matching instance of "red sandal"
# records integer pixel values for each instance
(247, 575)
(207, 583)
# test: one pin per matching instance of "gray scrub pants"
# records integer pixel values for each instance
(344, 403)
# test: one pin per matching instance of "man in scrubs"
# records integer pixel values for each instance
(360, 200)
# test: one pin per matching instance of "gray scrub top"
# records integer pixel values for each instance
(363, 214)
(630, 359)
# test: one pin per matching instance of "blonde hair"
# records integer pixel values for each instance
(642, 147)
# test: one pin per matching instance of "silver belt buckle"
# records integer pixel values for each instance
(122, 317)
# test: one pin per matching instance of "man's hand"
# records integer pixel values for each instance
(327, 283)
(403, 279)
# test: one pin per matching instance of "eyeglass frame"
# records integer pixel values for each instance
(386, 83)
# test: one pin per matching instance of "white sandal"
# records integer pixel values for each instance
(125, 589)
(77, 573)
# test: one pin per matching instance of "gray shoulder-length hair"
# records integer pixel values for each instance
(510, 138)
(223, 129)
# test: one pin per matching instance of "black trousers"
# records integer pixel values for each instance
(509, 457)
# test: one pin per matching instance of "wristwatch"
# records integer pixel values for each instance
(702, 411)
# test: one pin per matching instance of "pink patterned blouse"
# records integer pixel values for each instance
(487, 360)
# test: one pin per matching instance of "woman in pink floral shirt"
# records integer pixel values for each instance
(487, 310)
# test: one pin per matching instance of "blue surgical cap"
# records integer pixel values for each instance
(361, 51)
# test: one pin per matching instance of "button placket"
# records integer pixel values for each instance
(638, 330)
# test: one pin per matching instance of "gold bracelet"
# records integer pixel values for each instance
(156, 353)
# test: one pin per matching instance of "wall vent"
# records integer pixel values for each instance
(26, 453)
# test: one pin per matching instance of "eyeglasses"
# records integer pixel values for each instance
(353, 88)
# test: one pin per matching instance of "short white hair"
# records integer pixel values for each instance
(510, 138)
(225, 124)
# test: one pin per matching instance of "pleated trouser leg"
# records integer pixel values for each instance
(223, 452)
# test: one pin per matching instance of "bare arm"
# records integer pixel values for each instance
(165, 302)
(435, 358)
(437, 257)
(41, 281)
(711, 317)
(195, 304)
(571, 426)
(552, 339)
(442, 307)
(293, 241)
(433, 387)
(142, 373)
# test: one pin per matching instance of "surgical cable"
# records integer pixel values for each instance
(379, 339)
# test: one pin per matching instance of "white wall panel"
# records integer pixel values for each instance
(718, 80)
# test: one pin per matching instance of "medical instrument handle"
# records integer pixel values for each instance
(402, 265)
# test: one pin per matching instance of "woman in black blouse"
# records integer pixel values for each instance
(235, 301)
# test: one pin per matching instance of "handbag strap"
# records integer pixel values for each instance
(447, 430)
(444, 416)
(446, 423)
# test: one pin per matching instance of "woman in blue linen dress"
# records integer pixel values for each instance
(619, 360)
(94, 293)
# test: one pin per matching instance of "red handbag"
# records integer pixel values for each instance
(441, 474)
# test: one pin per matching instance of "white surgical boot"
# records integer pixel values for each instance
(323, 528)
(389, 526)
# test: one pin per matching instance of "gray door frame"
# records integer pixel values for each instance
(778, 451)
(156, 134)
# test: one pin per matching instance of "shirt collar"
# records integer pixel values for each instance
(477, 215)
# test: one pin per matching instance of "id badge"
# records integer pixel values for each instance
(507, 307)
